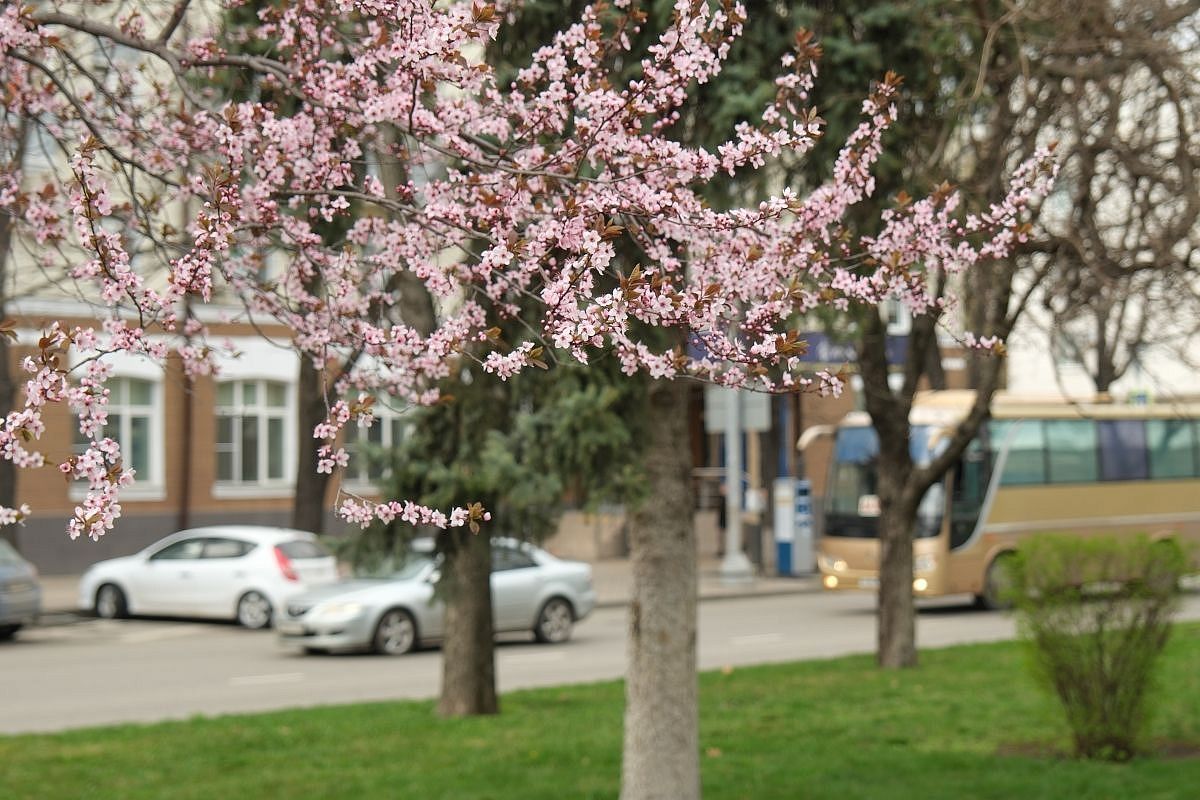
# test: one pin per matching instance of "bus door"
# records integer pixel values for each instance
(969, 480)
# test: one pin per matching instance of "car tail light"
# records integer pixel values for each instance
(285, 565)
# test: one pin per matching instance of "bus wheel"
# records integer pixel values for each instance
(996, 585)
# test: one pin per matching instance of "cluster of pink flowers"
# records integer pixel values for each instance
(502, 201)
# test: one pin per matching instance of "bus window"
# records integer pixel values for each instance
(1172, 448)
(851, 482)
(1071, 450)
(1123, 450)
(1026, 461)
(852, 505)
(853, 471)
(971, 475)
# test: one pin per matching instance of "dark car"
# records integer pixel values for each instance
(20, 595)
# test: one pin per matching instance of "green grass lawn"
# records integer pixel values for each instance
(838, 729)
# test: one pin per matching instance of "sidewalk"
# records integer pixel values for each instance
(614, 583)
(613, 580)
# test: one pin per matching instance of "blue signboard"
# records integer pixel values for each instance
(823, 349)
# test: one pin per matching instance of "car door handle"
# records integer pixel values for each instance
(185, 574)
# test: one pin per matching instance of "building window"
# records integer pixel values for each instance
(252, 432)
(370, 448)
(132, 406)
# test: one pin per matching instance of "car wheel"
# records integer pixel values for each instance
(8, 631)
(110, 602)
(254, 611)
(996, 585)
(554, 621)
(395, 633)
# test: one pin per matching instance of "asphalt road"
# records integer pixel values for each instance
(100, 671)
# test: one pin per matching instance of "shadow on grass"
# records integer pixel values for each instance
(1159, 749)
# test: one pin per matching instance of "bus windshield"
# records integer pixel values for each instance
(853, 501)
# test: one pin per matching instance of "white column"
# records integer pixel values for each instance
(735, 568)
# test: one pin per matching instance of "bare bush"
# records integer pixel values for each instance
(1096, 613)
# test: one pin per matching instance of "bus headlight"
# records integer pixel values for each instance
(830, 581)
(920, 585)
(832, 564)
(924, 562)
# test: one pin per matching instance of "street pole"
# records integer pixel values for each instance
(735, 568)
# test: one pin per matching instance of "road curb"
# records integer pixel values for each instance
(53, 617)
(728, 595)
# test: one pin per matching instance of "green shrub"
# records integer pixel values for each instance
(1096, 613)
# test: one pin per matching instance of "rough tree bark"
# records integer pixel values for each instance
(416, 310)
(8, 388)
(468, 650)
(308, 505)
(896, 615)
(8, 384)
(661, 750)
(1106, 356)
(901, 482)
(468, 668)
(896, 647)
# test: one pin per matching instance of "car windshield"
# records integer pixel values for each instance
(409, 568)
(8, 555)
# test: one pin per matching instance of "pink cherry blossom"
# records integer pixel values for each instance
(502, 202)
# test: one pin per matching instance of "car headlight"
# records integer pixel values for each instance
(924, 563)
(340, 609)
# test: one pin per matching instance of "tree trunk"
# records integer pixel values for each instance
(1106, 355)
(8, 385)
(661, 750)
(8, 392)
(897, 627)
(308, 506)
(183, 519)
(468, 669)
(934, 370)
(895, 622)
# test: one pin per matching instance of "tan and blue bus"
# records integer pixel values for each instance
(1037, 466)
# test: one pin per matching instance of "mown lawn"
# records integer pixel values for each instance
(837, 729)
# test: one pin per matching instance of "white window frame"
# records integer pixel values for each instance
(394, 429)
(149, 484)
(263, 486)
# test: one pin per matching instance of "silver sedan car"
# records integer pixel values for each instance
(20, 595)
(531, 591)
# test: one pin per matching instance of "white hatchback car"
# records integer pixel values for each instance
(241, 572)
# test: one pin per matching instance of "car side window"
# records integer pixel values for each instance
(226, 548)
(506, 558)
(188, 548)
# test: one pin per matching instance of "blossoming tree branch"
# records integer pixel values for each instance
(512, 201)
